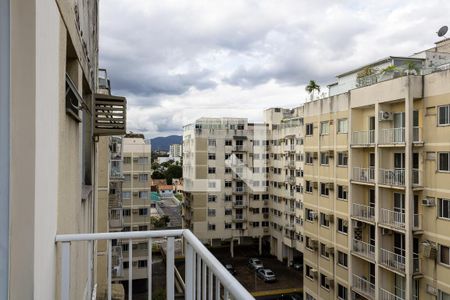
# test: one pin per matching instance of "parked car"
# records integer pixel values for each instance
(230, 269)
(266, 274)
(255, 263)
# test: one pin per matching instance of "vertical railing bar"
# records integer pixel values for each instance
(204, 275)
(65, 271)
(170, 259)
(189, 252)
(210, 284)
(217, 288)
(199, 277)
(109, 250)
(90, 265)
(149, 269)
(130, 269)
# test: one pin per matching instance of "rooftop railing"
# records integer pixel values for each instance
(204, 277)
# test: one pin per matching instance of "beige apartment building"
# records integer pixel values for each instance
(357, 182)
(136, 199)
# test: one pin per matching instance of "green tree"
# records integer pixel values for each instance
(173, 171)
(312, 87)
(158, 175)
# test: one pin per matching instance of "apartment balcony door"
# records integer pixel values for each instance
(399, 203)
(399, 244)
(399, 168)
(372, 165)
(399, 286)
(372, 233)
(372, 198)
(372, 123)
(372, 273)
(399, 125)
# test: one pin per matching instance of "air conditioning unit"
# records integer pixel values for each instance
(358, 225)
(135, 211)
(385, 231)
(330, 249)
(313, 272)
(330, 153)
(314, 244)
(428, 202)
(329, 281)
(429, 250)
(385, 116)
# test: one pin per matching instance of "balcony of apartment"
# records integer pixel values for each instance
(238, 148)
(239, 204)
(391, 136)
(363, 212)
(290, 210)
(363, 249)
(290, 179)
(365, 138)
(115, 218)
(289, 163)
(386, 295)
(392, 177)
(239, 190)
(393, 218)
(205, 277)
(363, 286)
(392, 260)
(239, 218)
(363, 175)
(116, 171)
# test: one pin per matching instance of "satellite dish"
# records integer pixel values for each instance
(442, 31)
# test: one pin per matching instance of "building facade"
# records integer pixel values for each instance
(176, 150)
(356, 182)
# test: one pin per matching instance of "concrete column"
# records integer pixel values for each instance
(232, 247)
(409, 198)
(377, 202)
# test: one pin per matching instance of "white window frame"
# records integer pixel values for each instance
(447, 264)
(342, 128)
(441, 210)
(324, 128)
(447, 107)
(439, 161)
(342, 157)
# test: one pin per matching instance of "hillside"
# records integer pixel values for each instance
(164, 142)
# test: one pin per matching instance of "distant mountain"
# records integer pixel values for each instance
(164, 142)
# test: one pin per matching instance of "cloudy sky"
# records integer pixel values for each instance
(179, 60)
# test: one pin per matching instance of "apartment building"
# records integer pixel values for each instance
(225, 187)
(176, 150)
(365, 170)
(136, 199)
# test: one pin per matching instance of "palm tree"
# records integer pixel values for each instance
(312, 86)
(411, 68)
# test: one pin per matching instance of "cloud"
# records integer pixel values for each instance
(206, 57)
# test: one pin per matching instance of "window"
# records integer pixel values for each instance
(227, 170)
(127, 160)
(126, 195)
(143, 195)
(342, 159)
(255, 224)
(310, 214)
(142, 263)
(342, 126)
(212, 198)
(323, 251)
(228, 184)
(212, 156)
(143, 211)
(342, 226)
(342, 258)
(126, 265)
(143, 177)
(324, 159)
(444, 115)
(342, 292)
(126, 212)
(211, 212)
(227, 198)
(443, 296)
(142, 160)
(309, 128)
(308, 272)
(227, 156)
(444, 255)
(265, 224)
(324, 191)
(211, 142)
(308, 186)
(324, 128)
(228, 143)
(324, 220)
(256, 197)
(127, 177)
(228, 212)
(444, 161)
(341, 192)
(444, 208)
(309, 158)
(324, 282)
(211, 170)
(212, 227)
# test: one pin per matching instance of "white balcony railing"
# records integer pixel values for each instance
(363, 174)
(204, 277)
(392, 177)
(364, 249)
(392, 218)
(386, 295)
(363, 137)
(392, 260)
(392, 136)
(363, 211)
(363, 286)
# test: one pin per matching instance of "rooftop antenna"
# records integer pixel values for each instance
(442, 31)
